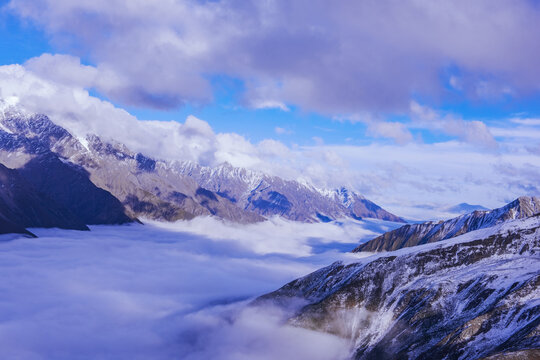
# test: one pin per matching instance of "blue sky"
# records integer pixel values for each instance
(22, 39)
(409, 103)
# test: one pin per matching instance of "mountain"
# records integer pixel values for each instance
(465, 208)
(165, 190)
(28, 143)
(152, 188)
(428, 232)
(22, 206)
(145, 187)
(471, 297)
(270, 195)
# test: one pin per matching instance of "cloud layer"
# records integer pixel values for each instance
(148, 292)
(336, 57)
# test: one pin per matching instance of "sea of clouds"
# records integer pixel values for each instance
(165, 291)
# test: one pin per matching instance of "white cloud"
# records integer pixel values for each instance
(528, 133)
(269, 104)
(445, 174)
(526, 121)
(393, 130)
(473, 132)
(160, 292)
(319, 56)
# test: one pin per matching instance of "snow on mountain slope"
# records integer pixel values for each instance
(469, 297)
(271, 195)
(417, 234)
(144, 186)
(177, 190)
(68, 198)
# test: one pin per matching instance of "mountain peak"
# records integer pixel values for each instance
(427, 232)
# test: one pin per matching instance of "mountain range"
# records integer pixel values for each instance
(428, 232)
(103, 182)
(475, 296)
(464, 288)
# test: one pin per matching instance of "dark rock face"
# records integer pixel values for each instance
(70, 186)
(468, 298)
(64, 184)
(22, 206)
(272, 204)
(418, 234)
(157, 210)
(144, 163)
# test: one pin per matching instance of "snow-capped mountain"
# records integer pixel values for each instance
(165, 190)
(145, 187)
(45, 190)
(270, 195)
(428, 232)
(470, 297)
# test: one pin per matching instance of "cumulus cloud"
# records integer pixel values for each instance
(161, 292)
(393, 130)
(394, 176)
(474, 132)
(327, 57)
(194, 140)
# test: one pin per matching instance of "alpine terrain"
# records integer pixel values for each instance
(428, 232)
(475, 296)
(103, 182)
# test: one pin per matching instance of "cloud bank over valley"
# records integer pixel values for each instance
(164, 290)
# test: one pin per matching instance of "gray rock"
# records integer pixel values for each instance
(270, 195)
(428, 232)
(466, 298)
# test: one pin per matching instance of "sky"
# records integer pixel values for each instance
(418, 105)
(164, 291)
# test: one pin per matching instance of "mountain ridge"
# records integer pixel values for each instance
(469, 297)
(417, 234)
(170, 191)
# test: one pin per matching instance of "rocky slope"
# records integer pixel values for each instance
(170, 191)
(22, 206)
(30, 144)
(471, 297)
(417, 234)
(270, 195)
(145, 187)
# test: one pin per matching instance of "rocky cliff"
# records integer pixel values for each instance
(471, 297)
